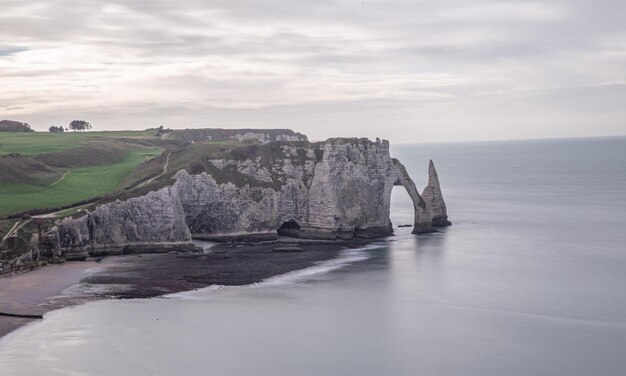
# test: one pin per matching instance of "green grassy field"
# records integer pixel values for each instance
(78, 185)
(54, 170)
(43, 143)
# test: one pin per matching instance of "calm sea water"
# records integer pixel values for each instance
(530, 280)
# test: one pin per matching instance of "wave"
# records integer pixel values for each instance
(346, 257)
(205, 245)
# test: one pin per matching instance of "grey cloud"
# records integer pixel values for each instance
(451, 63)
(10, 50)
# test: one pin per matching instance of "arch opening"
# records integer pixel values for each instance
(422, 222)
(289, 228)
(402, 212)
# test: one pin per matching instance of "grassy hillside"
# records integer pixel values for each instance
(193, 157)
(17, 168)
(51, 170)
(57, 170)
(97, 153)
(77, 184)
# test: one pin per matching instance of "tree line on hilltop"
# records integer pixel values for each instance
(17, 126)
(14, 126)
(75, 125)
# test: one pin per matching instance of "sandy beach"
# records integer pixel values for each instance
(37, 292)
(150, 275)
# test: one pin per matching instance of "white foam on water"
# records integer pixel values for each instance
(346, 257)
(193, 294)
(205, 245)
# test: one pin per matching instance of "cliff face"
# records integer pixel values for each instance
(121, 227)
(337, 189)
(351, 189)
(216, 211)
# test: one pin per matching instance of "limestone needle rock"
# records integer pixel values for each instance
(433, 197)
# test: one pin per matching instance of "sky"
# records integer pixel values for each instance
(407, 71)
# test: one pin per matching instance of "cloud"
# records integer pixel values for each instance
(10, 50)
(373, 68)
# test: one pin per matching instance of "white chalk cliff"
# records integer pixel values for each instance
(337, 189)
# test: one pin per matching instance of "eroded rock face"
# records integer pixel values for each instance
(216, 212)
(133, 225)
(340, 188)
(433, 197)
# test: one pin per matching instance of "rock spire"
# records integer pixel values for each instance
(433, 197)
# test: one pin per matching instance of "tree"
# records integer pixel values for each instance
(54, 129)
(80, 125)
(161, 131)
(14, 126)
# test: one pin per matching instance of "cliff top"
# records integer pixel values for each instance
(213, 134)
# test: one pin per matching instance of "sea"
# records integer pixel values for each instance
(529, 280)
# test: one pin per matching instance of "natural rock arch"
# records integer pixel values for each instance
(422, 222)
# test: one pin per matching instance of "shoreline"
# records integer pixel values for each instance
(34, 293)
(149, 275)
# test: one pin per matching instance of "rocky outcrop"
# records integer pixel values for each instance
(337, 189)
(154, 222)
(433, 197)
(21, 261)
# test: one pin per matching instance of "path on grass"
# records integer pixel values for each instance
(60, 179)
(167, 162)
(54, 214)
(16, 227)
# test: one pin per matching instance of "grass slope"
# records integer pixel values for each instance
(80, 184)
(95, 154)
(17, 168)
(44, 143)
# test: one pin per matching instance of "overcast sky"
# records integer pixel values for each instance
(407, 71)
